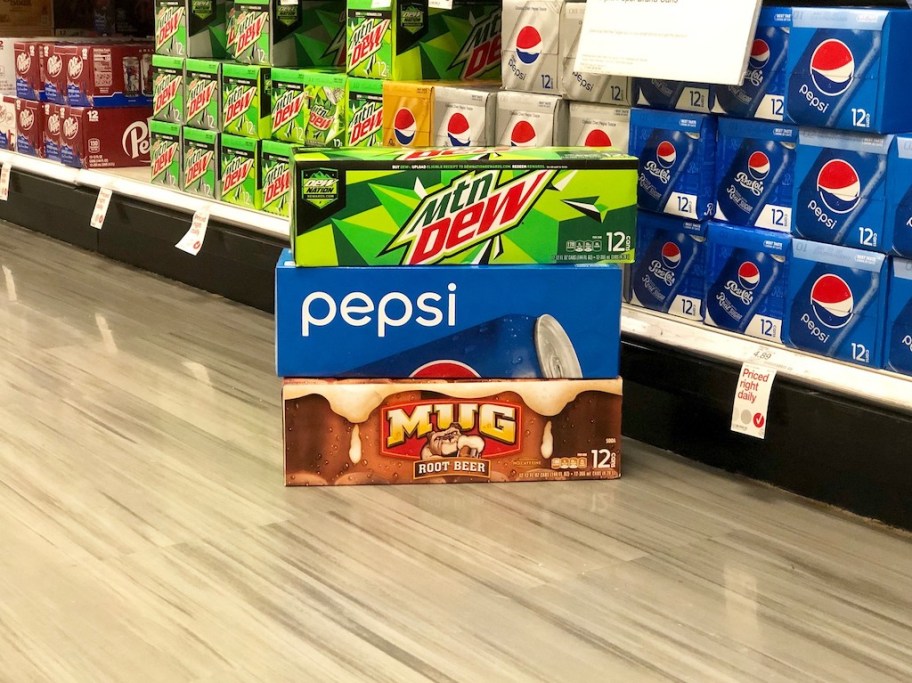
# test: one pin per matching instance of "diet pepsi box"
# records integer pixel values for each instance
(464, 116)
(761, 95)
(448, 321)
(677, 161)
(898, 237)
(746, 280)
(847, 69)
(585, 87)
(599, 125)
(898, 347)
(668, 273)
(755, 171)
(657, 93)
(530, 59)
(840, 194)
(530, 120)
(836, 302)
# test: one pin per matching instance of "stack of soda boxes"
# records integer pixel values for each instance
(84, 102)
(790, 217)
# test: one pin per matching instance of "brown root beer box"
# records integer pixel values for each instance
(343, 432)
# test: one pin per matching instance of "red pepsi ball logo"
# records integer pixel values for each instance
(760, 54)
(839, 186)
(445, 369)
(671, 255)
(404, 126)
(758, 165)
(528, 44)
(749, 275)
(597, 138)
(666, 154)
(523, 135)
(832, 67)
(458, 131)
(832, 301)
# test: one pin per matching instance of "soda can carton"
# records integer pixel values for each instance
(7, 66)
(668, 274)
(29, 80)
(242, 182)
(30, 127)
(530, 55)
(530, 120)
(755, 173)
(201, 162)
(321, 38)
(898, 347)
(657, 93)
(328, 98)
(746, 280)
(463, 206)
(168, 88)
(444, 323)
(365, 112)
(840, 195)
(290, 105)
(51, 65)
(836, 302)
(246, 100)
(191, 29)
(761, 95)
(105, 75)
(408, 114)
(109, 137)
(8, 122)
(264, 32)
(51, 130)
(599, 125)
(276, 173)
(401, 40)
(898, 232)
(464, 116)
(349, 432)
(677, 154)
(585, 87)
(165, 153)
(203, 102)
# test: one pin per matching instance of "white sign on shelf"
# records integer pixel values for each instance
(749, 413)
(440, 4)
(707, 41)
(192, 242)
(101, 207)
(5, 180)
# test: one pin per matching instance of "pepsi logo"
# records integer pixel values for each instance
(749, 275)
(671, 255)
(597, 138)
(445, 369)
(758, 165)
(523, 135)
(458, 132)
(760, 54)
(666, 154)
(832, 301)
(404, 126)
(528, 44)
(839, 186)
(832, 67)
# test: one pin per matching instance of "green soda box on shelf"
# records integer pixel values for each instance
(321, 40)
(246, 100)
(191, 28)
(365, 112)
(264, 32)
(404, 40)
(328, 104)
(202, 165)
(241, 177)
(385, 207)
(290, 105)
(165, 153)
(203, 105)
(276, 159)
(168, 88)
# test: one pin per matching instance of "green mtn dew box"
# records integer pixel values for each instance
(290, 105)
(246, 100)
(276, 159)
(165, 153)
(404, 40)
(241, 172)
(191, 28)
(202, 164)
(263, 32)
(168, 88)
(203, 104)
(328, 103)
(365, 112)
(372, 207)
(321, 40)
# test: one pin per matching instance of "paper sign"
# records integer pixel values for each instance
(5, 181)
(101, 208)
(684, 40)
(192, 242)
(749, 413)
(440, 4)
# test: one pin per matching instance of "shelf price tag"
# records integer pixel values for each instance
(749, 413)
(192, 242)
(101, 207)
(440, 4)
(5, 180)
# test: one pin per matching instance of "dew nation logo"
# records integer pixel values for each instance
(832, 301)
(671, 255)
(839, 186)
(528, 45)
(832, 67)
(597, 138)
(749, 275)
(458, 132)
(760, 55)
(404, 126)
(523, 135)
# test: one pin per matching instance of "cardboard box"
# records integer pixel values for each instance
(242, 182)
(29, 128)
(106, 75)
(110, 137)
(246, 100)
(203, 99)
(276, 160)
(31, 18)
(29, 80)
(8, 122)
(165, 154)
(201, 163)
(52, 129)
(197, 28)
(168, 88)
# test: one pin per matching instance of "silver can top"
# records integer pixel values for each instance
(556, 354)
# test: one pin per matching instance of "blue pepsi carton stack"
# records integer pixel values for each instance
(755, 170)
(898, 219)
(746, 280)
(898, 346)
(658, 93)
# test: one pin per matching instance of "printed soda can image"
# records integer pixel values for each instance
(146, 74)
(131, 76)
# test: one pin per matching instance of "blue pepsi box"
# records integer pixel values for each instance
(836, 302)
(898, 219)
(761, 95)
(848, 69)
(677, 162)
(448, 322)
(746, 280)
(667, 275)
(755, 171)
(657, 93)
(898, 347)
(840, 192)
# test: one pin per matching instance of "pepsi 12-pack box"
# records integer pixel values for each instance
(657, 93)
(898, 219)
(898, 347)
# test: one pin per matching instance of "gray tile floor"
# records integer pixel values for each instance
(145, 534)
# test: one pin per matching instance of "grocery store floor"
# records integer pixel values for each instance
(145, 534)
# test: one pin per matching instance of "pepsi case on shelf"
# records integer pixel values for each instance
(530, 58)
(530, 120)
(761, 95)
(898, 347)
(677, 156)
(109, 137)
(836, 302)
(464, 116)
(840, 193)
(746, 280)
(580, 87)
(898, 239)
(847, 69)
(30, 127)
(599, 125)
(668, 274)
(657, 93)
(448, 321)
(755, 170)
(408, 113)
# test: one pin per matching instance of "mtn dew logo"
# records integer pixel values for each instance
(166, 88)
(276, 184)
(199, 96)
(239, 100)
(469, 210)
(250, 28)
(365, 124)
(236, 172)
(287, 106)
(321, 117)
(168, 21)
(481, 51)
(164, 158)
(367, 39)
(198, 163)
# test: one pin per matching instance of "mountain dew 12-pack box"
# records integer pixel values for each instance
(191, 28)
(202, 164)
(365, 112)
(290, 105)
(276, 173)
(328, 104)
(165, 153)
(246, 100)
(263, 32)
(383, 207)
(202, 103)
(168, 88)
(242, 182)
